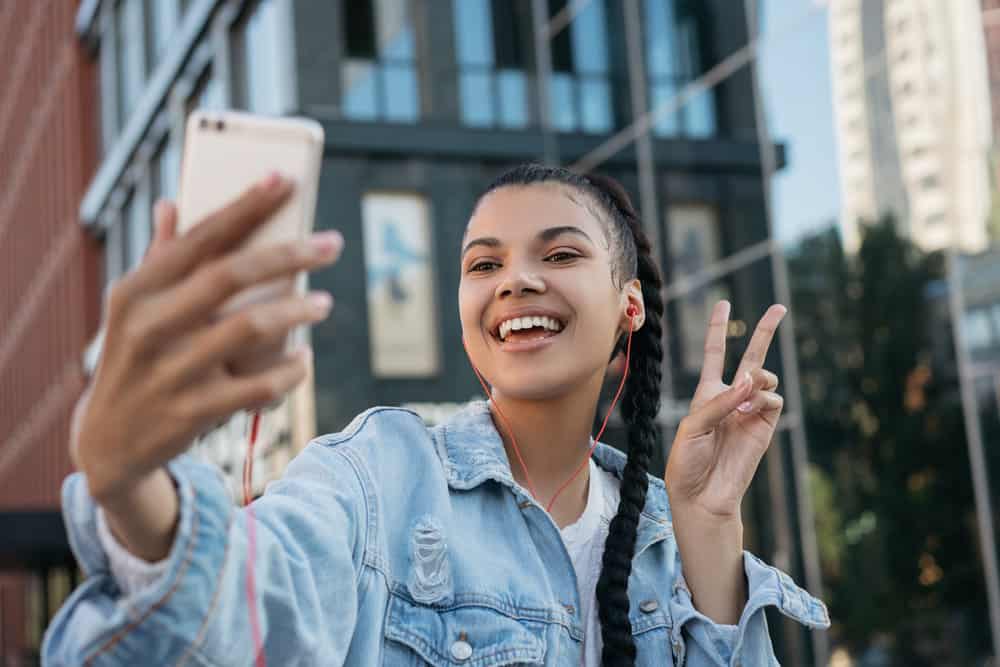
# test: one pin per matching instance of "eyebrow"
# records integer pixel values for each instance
(545, 235)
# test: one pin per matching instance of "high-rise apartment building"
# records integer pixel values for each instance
(913, 119)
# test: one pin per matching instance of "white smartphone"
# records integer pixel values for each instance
(226, 152)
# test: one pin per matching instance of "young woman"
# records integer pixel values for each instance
(504, 536)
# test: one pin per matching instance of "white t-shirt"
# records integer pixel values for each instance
(584, 541)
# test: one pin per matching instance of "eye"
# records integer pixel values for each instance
(482, 267)
(560, 257)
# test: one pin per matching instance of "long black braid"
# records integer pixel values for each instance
(641, 399)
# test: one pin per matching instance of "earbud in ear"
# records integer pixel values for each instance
(632, 311)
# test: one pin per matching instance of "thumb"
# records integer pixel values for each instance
(708, 417)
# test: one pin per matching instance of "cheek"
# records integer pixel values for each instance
(471, 306)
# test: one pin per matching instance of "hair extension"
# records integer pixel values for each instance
(632, 258)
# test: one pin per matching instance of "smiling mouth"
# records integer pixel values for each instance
(529, 329)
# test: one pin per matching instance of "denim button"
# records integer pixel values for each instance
(461, 650)
(570, 609)
(648, 606)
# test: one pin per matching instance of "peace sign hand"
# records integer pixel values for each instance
(722, 440)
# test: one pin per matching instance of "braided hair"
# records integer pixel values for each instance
(631, 258)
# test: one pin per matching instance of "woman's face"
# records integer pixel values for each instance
(532, 252)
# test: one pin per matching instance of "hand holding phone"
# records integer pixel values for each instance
(163, 377)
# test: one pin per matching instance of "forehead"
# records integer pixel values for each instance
(514, 213)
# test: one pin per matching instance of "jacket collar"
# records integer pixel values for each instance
(472, 452)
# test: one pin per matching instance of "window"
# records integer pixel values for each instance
(580, 89)
(674, 57)
(695, 235)
(491, 38)
(139, 224)
(258, 56)
(164, 17)
(210, 94)
(114, 249)
(131, 49)
(378, 75)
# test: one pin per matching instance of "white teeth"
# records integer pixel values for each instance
(518, 323)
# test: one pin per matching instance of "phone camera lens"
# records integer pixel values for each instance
(204, 123)
(220, 125)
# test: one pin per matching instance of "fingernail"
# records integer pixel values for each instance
(327, 242)
(271, 181)
(745, 406)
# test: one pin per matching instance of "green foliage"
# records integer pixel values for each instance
(895, 512)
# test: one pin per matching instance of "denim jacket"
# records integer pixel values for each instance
(391, 543)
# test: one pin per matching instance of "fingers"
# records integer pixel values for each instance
(754, 356)
(762, 402)
(764, 379)
(164, 226)
(762, 396)
(708, 417)
(210, 287)
(715, 343)
(754, 393)
(221, 231)
(223, 397)
(256, 325)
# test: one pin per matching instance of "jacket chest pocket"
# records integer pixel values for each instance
(460, 636)
(651, 633)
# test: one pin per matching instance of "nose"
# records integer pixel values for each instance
(520, 283)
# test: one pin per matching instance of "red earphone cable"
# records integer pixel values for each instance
(632, 312)
(259, 660)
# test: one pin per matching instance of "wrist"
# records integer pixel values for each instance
(700, 518)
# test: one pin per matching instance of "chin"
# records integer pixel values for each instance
(536, 383)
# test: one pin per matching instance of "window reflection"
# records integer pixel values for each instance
(400, 84)
(580, 89)
(476, 93)
(257, 59)
(359, 98)
(674, 58)
(379, 76)
(562, 113)
(139, 227)
(513, 99)
(164, 19)
(490, 46)
(131, 56)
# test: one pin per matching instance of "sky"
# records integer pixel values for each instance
(798, 99)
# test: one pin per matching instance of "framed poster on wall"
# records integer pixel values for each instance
(402, 309)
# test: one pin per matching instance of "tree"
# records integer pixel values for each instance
(895, 511)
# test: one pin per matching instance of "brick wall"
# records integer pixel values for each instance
(50, 273)
(49, 267)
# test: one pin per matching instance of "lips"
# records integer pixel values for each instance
(536, 340)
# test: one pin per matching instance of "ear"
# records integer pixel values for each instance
(632, 302)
